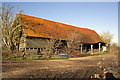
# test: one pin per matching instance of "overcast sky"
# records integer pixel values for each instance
(98, 16)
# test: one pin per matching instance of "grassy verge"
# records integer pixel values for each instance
(94, 54)
(52, 58)
(34, 58)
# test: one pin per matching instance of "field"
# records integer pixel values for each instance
(82, 67)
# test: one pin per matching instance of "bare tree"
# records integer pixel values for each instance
(73, 42)
(51, 48)
(107, 37)
(11, 29)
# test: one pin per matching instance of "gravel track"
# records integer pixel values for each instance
(82, 67)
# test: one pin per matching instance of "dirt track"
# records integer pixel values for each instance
(83, 67)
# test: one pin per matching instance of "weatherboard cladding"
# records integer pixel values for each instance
(38, 27)
(37, 43)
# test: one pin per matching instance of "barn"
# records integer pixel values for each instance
(39, 34)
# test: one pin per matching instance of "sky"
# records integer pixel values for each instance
(98, 16)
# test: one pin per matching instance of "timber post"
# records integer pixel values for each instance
(86, 48)
(91, 48)
(25, 50)
(99, 46)
(81, 48)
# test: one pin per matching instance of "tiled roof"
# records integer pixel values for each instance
(38, 27)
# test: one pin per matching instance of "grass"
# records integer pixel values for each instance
(52, 58)
(58, 58)
(34, 58)
(94, 54)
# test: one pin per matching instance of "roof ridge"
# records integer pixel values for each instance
(56, 22)
(50, 28)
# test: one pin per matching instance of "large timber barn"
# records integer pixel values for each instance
(39, 31)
